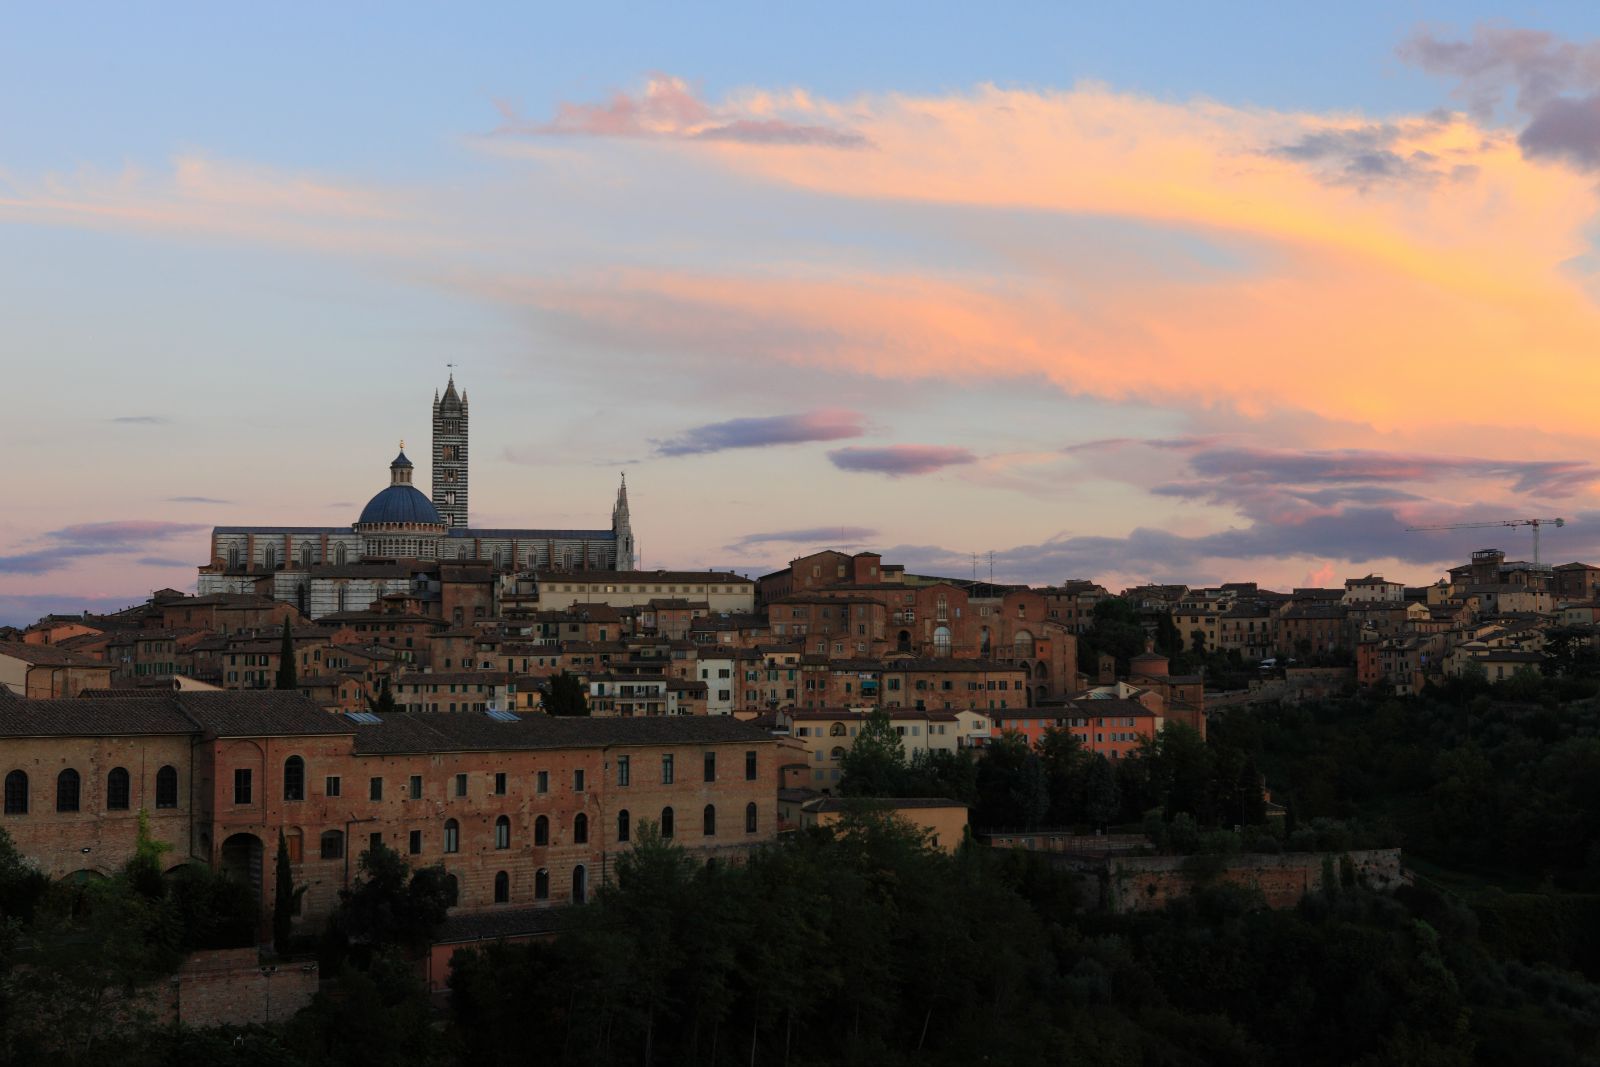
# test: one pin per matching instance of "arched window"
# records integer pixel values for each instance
(709, 818)
(983, 642)
(294, 778)
(666, 822)
(333, 844)
(269, 557)
(233, 557)
(452, 836)
(836, 730)
(622, 825)
(580, 884)
(502, 832)
(167, 787)
(1022, 644)
(67, 790)
(118, 791)
(17, 793)
(541, 884)
(941, 640)
(541, 831)
(339, 555)
(580, 829)
(502, 887)
(902, 641)
(307, 555)
(750, 816)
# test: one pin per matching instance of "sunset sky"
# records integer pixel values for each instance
(1167, 292)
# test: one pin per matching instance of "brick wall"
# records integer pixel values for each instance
(94, 838)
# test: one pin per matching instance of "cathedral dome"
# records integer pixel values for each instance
(400, 503)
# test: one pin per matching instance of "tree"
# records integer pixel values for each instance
(1102, 798)
(566, 696)
(286, 671)
(1013, 789)
(285, 899)
(384, 703)
(875, 765)
(1116, 630)
(391, 905)
(1063, 757)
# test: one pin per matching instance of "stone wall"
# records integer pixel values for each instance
(231, 987)
(1146, 883)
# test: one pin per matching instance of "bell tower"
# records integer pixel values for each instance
(450, 455)
(622, 528)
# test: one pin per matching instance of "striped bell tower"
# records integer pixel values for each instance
(450, 455)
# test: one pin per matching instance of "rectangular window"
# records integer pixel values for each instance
(374, 840)
(543, 780)
(375, 788)
(666, 770)
(577, 781)
(241, 785)
(749, 766)
(331, 785)
(414, 842)
(461, 785)
(416, 787)
(624, 771)
(711, 766)
(500, 783)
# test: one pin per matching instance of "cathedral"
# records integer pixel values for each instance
(403, 537)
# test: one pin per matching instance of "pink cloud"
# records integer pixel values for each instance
(668, 109)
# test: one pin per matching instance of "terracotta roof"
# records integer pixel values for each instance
(47, 655)
(258, 713)
(123, 714)
(503, 922)
(635, 577)
(827, 804)
(469, 731)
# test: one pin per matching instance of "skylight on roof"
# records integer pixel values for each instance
(499, 715)
(366, 718)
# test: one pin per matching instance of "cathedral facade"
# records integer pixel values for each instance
(402, 538)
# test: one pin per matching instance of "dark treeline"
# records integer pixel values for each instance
(860, 945)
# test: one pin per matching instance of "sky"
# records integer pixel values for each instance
(1158, 292)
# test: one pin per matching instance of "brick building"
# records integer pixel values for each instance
(520, 810)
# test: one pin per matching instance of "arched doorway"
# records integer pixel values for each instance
(902, 643)
(241, 858)
(580, 885)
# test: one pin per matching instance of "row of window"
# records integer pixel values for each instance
(580, 829)
(69, 790)
(294, 779)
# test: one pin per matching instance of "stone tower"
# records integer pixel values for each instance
(621, 528)
(450, 456)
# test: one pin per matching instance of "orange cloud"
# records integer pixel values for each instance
(1406, 273)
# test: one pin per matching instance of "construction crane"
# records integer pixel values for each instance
(1535, 523)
